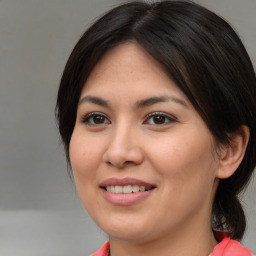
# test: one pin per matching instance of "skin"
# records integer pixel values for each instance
(177, 155)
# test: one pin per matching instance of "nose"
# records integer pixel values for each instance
(123, 148)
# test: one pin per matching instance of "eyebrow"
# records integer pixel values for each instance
(139, 104)
(154, 100)
(95, 100)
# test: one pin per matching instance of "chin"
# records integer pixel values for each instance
(125, 230)
(136, 237)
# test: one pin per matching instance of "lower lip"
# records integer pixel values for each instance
(126, 199)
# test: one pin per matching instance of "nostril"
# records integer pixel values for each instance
(120, 164)
(122, 156)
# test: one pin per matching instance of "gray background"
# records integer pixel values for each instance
(40, 213)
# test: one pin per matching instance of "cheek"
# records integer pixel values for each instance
(184, 160)
(85, 157)
(84, 154)
(187, 171)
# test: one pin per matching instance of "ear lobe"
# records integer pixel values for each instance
(233, 154)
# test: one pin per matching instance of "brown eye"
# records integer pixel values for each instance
(95, 119)
(98, 119)
(159, 119)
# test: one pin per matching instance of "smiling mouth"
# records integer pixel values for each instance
(127, 189)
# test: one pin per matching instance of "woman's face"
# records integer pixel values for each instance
(143, 160)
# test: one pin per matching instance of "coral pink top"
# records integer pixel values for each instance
(103, 251)
(226, 247)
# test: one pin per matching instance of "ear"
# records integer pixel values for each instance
(233, 153)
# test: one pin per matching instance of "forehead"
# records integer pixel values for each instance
(129, 66)
(129, 55)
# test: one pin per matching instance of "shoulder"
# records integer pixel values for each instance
(103, 251)
(229, 247)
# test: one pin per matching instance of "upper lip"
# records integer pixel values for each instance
(125, 182)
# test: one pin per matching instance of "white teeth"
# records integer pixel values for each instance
(118, 189)
(142, 188)
(126, 189)
(135, 188)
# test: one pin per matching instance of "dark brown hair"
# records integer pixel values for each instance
(207, 60)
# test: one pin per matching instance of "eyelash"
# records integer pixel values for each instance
(88, 119)
(168, 118)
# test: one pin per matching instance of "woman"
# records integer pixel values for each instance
(156, 109)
